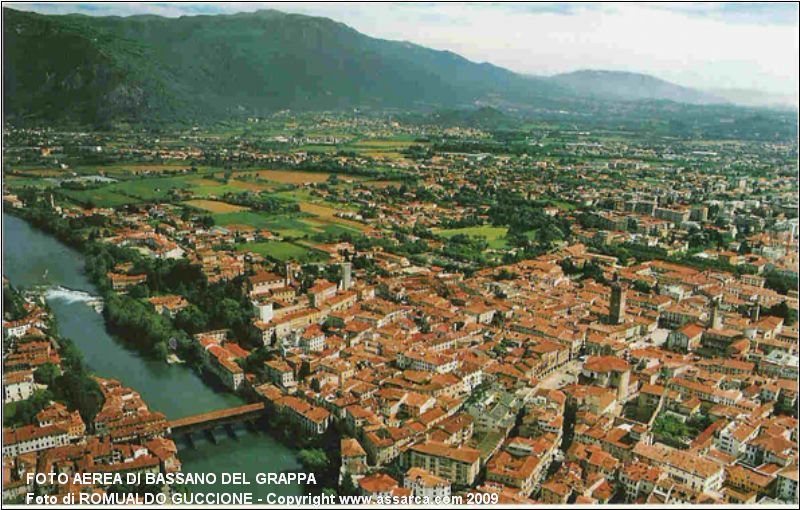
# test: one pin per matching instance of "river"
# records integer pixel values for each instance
(32, 257)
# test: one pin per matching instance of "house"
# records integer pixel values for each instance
(280, 373)
(608, 372)
(354, 458)
(17, 386)
(121, 282)
(264, 282)
(312, 339)
(683, 466)
(33, 438)
(168, 305)
(321, 291)
(685, 339)
(459, 465)
(377, 485)
(311, 419)
(426, 485)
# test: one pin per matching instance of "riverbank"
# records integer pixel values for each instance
(175, 390)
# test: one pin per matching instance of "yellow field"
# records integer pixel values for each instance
(327, 214)
(215, 206)
(250, 186)
(243, 185)
(381, 184)
(46, 172)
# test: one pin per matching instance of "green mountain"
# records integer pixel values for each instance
(94, 69)
(624, 86)
(106, 71)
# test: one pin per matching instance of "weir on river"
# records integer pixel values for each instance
(71, 295)
(175, 390)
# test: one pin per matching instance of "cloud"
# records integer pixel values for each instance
(703, 44)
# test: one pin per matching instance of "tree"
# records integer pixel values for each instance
(25, 410)
(192, 320)
(303, 372)
(80, 392)
(47, 374)
(314, 459)
(161, 350)
(783, 310)
(347, 487)
(12, 304)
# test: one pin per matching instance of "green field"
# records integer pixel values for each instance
(102, 197)
(283, 224)
(153, 188)
(159, 188)
(255, 219)
(564, 206)
(282, 251)
(14, 182)
(337, 229)
(494, 236)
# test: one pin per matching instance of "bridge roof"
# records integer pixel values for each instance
(216, 415)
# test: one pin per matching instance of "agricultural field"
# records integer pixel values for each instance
(160, 188)
(153, 188)
(286, 176)
(215, 206)
(282, 224)
(494, 236)
(15, 182)
(384, 154)
(252, 218)
(564, 206)
(380, 148)
(282, 251)
(209, 187)
(43, 172)
(381, 184)
(101, 197)
(326, 215)
(144, 168)
(384, 143)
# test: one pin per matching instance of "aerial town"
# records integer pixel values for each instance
(565, 317)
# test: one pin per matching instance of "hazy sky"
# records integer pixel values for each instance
(705, 45)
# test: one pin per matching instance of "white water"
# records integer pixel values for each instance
(70, 295)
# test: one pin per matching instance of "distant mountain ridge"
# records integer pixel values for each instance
(98, 68)
(757, 98)
(105, 70)
(626, 86)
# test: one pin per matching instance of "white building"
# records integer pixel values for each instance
(32, 438)
(17, 386)
(426, 485)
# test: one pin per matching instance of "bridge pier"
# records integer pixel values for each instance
(231, 431)
(188, 436)
(210, 435)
